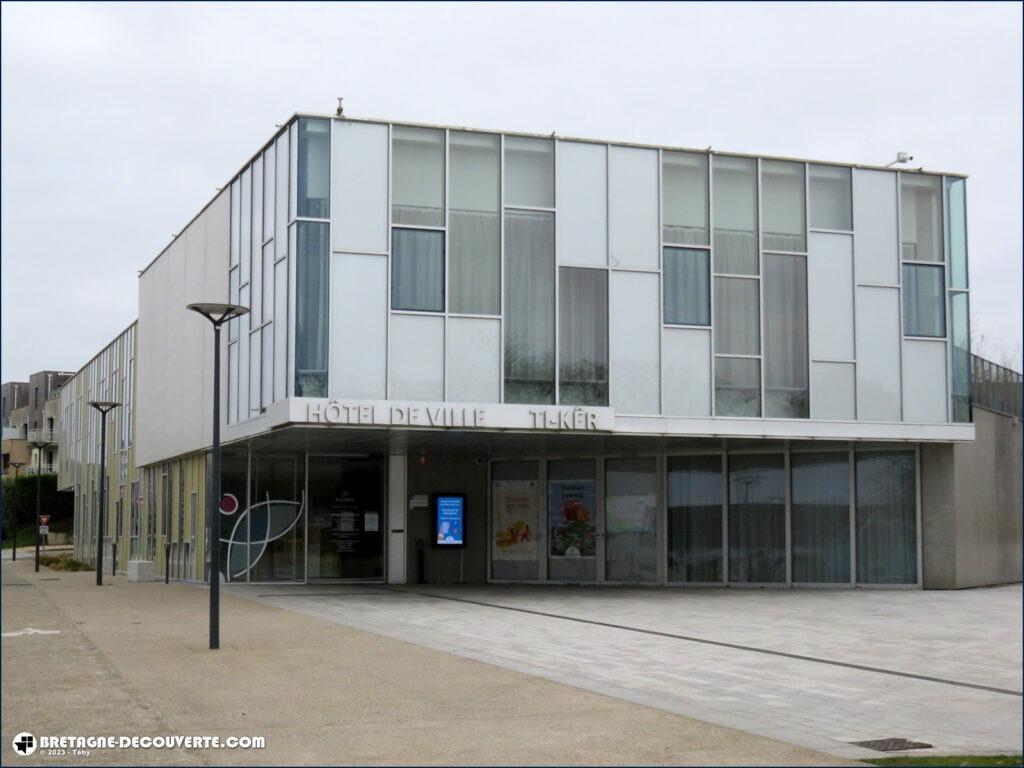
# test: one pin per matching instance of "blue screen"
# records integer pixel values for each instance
(450, 520)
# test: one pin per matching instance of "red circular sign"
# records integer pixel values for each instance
(228, 504)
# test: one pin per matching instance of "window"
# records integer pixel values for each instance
(960, 330)
(735, 215)
(923, 301)
(529, 320)
(785, 335)
(920, 217)
(530, 172)
(737, 386)
(631, 520)
(956, 232)
(314, 171)
(757, 518)
(417, 270)
(737, 324)
(782, 206)
(820, 517)
(583, 336)
(474, 224)
(831, 196)
(417, 181)
(695, 518)
(684, 184)
(886, 518)
(311, 315)
(687, 287)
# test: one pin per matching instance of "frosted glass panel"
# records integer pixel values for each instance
(960, 336)
(416, 358)
(473, 223)
(269, 190)
(687, 285)
(737, 324)
(583, 336)
(737, 386)
(635, 331)
(417, 270)
(735, 215)
(474, 360)
(874, 216)
(833, 391)
(282, 178)
(529, 172)
(684, 206)
(236, 209)
(359, 313)
(359, 188)
(633, 208)
(920, 217)
(417, 176)
(582, 180)
(924, 381)
(785, 333)
(631, 520)
(312, 284)
(878, 354)
(956, 232)
(782, 206)
(245, 225)
(686, 377)
(830, 296)
(280, 329)
(314, 171)
(924, 301)
(831, 197)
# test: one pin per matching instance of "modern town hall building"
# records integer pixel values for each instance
(475, 356)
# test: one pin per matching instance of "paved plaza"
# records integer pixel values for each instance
(815, 668)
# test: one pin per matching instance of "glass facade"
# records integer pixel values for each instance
(312, 266)
(735, 215)
(313, 175)
(831, 197)
(687, 286)
(785, 333)
(529, 172)
(783, 206)
(820, 520)
(757, 518)
(695, 496)
(886, 518)
(920, 217)
(684, 185)
(417, 176)
(583, 336)
(924, 301)
(474, 223)
(417, 270)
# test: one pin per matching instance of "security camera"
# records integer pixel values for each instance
(479, 460)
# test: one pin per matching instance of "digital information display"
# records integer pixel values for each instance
(449, 519)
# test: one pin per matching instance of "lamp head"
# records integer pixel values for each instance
(103, 405)
(218, 314)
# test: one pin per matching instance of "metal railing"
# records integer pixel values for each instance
(995, 387)
(43, 436)
(45, 469)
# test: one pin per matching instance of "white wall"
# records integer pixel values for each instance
(174, 363)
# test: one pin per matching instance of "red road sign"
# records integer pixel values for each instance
(44, 519)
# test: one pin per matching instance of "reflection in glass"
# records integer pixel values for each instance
(275, 517)
(311, 317)
(529, 307)
(417, 270)
(831, 195)
(956, 233)
(516, 523)
(820, 517)
(473, 223)
(737, 325)
(583, 336)
(785, 333)
(684, 189)
(346, 518)
(886, 518)
(687, 287)
(417, 176)
(924, 306)
(960, 329)
(735, 214)
(920, 217)
(529, 172)
(757, 518)
(314, 172)
(695, 518)
(234, 481)
(631, 520)
(782, 206)
(572, 520)
(737, 386)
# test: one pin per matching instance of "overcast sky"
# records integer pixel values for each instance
(119, 121)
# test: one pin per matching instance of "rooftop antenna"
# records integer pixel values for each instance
(901, 157)
(341, 109)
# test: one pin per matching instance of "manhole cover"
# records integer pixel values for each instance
(891, 745)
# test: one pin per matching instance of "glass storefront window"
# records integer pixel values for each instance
(583, 336)
(735, 215)
(572, 520)
(687, 286)
(757, 518)
(785, 333)
(886, 487)
(473, 223)
(783, 206)
(695, 518)
(820, 518)
(631, 520)
(920, 217)
(924, 301)
(516, 524)
(417, 176)
(275, 520)
(529, 172)
(831, 197)
(684, 185)
(313, 180)
(417, 270)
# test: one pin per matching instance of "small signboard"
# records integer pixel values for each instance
(44, 530)
(229, 504)
(449, 519)
(44, 519)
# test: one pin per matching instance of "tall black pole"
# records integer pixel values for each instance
(14, 515)
(39, 480)
(103, 498)
(214, 506)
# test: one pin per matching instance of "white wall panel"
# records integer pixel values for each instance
(833, 391)
(924, 381)
(474, 360)
(358, 331)
(359, 187)
(634, 332)
(874, 223)
(633, 207)
(416, 358)
(582, 196)
(686, 372)
(830, 296)
(878, 354)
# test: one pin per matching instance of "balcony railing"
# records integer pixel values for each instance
(43, 436)
(995, 387)
(45, 469)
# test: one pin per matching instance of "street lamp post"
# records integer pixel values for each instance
(104, 407)
(14, 546)
(217, 314)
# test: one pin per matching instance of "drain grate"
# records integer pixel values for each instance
(891, 745)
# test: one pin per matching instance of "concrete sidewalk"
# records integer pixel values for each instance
(131, 659)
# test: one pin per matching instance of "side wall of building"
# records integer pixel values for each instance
(971, 506)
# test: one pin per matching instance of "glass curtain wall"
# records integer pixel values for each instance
(886, 494)
(920, 217)
(684, 184)
(785, 333)
(313, 175)
(583, 336)
(417, 270)
(959, 303)
(695, 518)
(276, 522)
(820, 517)
(924, 310)
(417, 176)
(831, 198)
(474, 224)
(311, 308)
(687, 286)
(757, 518)
(631, 520)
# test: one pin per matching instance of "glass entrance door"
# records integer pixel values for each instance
(346, 518)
